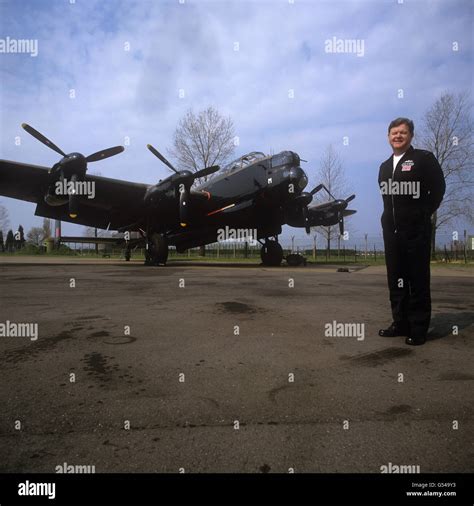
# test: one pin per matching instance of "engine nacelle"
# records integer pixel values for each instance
(54, 200)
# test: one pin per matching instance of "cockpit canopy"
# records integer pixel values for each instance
(241, 162)
(281, 159)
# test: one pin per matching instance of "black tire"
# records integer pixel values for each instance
(157, 251)
(271, 254)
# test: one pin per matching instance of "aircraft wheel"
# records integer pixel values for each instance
(157, 250)
(271, 253)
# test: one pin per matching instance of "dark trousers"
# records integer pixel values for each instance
(407, 256)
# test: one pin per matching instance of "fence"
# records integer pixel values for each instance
(366, 248)
(241, 251)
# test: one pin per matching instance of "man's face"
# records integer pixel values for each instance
(400, 138)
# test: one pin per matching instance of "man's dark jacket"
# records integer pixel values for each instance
(403, 212)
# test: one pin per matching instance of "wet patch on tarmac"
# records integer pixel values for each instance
(99, 366)
(234, 307)
(377, 358)
(100, 333)
(399, 409)
(35, 349)
(120, 340)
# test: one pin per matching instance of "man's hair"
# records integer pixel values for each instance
(402, 121)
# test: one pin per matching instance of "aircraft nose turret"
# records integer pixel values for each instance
(297, 176)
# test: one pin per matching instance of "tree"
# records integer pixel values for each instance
(203, 140)
(36, 236)
(20, 238)
(447, 131)
(4, 220)
(10, 242)
(46, 228)
(2, 244)
(332, 175)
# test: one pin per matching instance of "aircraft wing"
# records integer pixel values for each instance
(23, 181)
(116, 203)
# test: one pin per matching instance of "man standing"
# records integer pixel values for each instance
(412, 186)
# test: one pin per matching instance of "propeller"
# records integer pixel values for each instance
(73, 165)
(303, 200)
(341, 213)
(99, 155)
(185, 178)
(195, 175)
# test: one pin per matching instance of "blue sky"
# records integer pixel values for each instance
(190, 46)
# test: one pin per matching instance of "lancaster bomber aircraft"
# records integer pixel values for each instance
(255, 192)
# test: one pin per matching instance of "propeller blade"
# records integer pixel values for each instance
(160, 157)
(341, 225)
(73, 200)
(183, 207)
(206, 172)
(329, 193)
(42, 138)
(349, 212)
(315, 190)
(306, 221)
(352, 197)
(105, 153)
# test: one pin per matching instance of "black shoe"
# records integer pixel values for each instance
(415, 341)
(394, 330)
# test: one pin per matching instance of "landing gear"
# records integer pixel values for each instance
(271, 253)
(156, 252)
(127, 252)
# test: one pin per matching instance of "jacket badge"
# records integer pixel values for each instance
(407, 165)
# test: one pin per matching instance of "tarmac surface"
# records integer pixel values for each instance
(228, 368)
